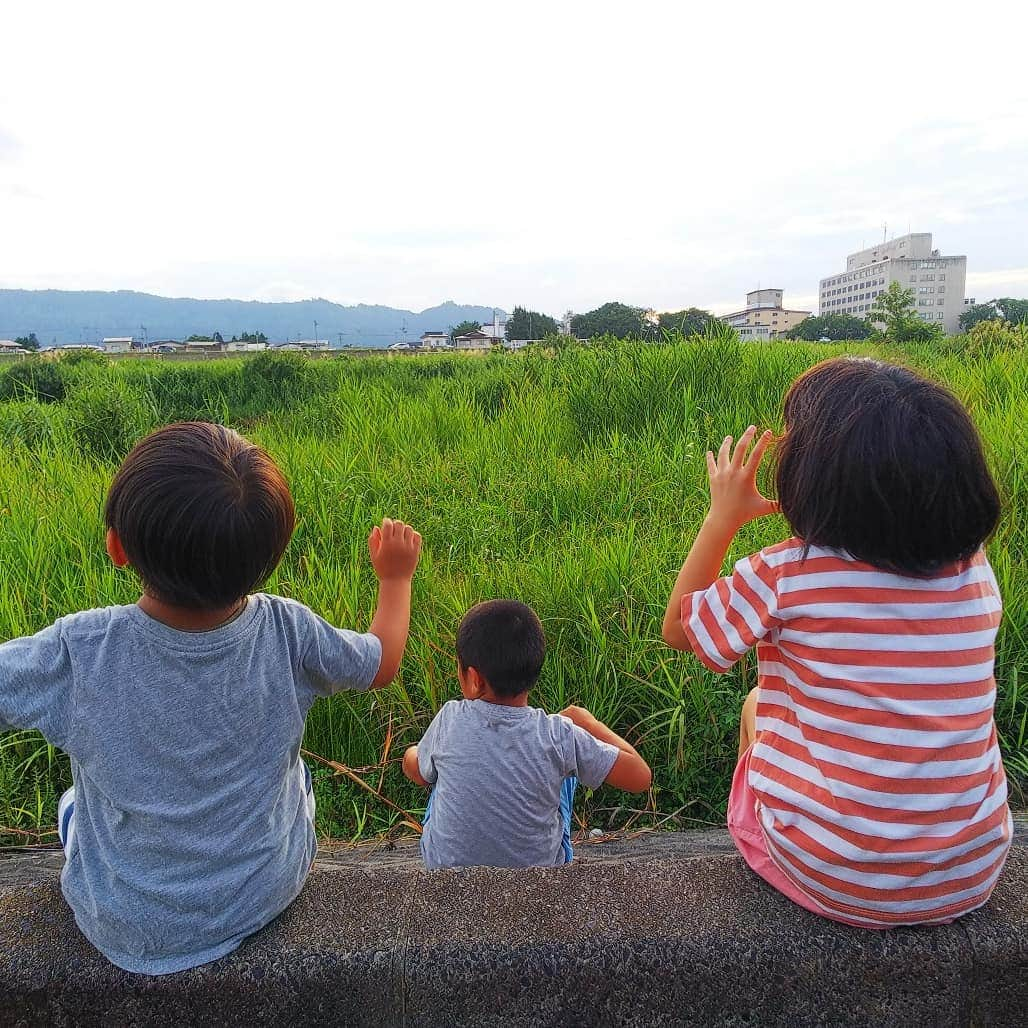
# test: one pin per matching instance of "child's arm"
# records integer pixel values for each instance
(630, 772)
(37, 685)
(394, 549)
(410, 766)
(734, 501)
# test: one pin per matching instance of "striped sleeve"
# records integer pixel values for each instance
(729, 618)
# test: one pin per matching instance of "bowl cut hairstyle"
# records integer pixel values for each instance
(883, 464)
(504, 641)
(202, 514)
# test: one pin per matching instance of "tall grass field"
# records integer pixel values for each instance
(573, 479)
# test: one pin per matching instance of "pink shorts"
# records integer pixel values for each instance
(748, 837)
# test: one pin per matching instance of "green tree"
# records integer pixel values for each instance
(29, 342)
(616, 319)
(830, 326)
(977, 313)
(894, 309)
(464, 328)
(526, 324)
(1014, 311)
(689, 322)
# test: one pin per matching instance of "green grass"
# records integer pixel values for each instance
(573, 481)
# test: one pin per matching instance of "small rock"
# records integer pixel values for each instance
(596, 833)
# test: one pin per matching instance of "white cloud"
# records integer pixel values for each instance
(550, 154)
(988, 285)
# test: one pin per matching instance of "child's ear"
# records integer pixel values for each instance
(114, 549)
(475, 683)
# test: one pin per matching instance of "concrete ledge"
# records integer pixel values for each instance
(654, 932)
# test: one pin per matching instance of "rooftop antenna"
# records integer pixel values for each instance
(885, 229)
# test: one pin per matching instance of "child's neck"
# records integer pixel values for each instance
(188, 619)
(521, 700)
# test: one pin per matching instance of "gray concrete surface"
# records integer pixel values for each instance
(660, 930)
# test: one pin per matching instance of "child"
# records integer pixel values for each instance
(504, 773)
(869, 788)
(190, 825)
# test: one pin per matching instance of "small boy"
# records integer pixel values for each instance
(504, 773)
(190, 824)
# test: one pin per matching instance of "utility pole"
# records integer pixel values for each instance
(315, 333)
(340, 334)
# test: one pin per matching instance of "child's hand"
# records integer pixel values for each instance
(734, 496)
(577, 715)
(394, 548)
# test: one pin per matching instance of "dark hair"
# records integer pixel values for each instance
(503, 640)
(883, 464)
(202, 514)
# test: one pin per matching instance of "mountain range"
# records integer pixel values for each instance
(63, 316)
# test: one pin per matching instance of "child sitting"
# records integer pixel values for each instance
(869, 788)
(504, 773)
(190, 823)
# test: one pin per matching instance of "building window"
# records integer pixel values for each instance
(942, 278)
(941, 289)
(940, 303)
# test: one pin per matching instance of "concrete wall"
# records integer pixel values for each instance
(661, 935)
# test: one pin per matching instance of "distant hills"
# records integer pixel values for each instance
(62, 316)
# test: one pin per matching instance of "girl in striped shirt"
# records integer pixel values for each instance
(869, 787)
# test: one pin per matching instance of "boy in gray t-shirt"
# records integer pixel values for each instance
(190, 823)
(504, 773)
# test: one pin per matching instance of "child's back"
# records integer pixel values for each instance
(191, 820)
(499, 775)
(876, 768)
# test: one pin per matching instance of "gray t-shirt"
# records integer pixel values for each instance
(498, 773)
(191, 825)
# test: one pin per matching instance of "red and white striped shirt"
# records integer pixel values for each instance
(876, 768)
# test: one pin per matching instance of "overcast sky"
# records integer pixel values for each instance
(555, 155)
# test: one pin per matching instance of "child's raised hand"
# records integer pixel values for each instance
(734, 496)
(394, 548)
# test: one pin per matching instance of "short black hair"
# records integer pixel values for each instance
(884, 464)
(202, 514)
(503, 640)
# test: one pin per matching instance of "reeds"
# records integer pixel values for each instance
(573, 481)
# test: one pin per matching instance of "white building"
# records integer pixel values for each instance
(241, 346)
(937, 281)
(304, 344)
(764, 317)
(118, 344)
(435, 341)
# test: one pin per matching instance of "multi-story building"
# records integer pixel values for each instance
(764, 317)
(937, 281)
